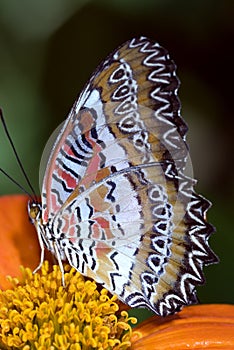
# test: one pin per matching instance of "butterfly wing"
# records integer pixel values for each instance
(122, 210)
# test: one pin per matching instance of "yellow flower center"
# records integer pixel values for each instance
(39, 313)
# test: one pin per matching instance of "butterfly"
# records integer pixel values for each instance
(116, 202)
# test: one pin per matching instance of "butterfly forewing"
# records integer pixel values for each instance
(114, 192)
(112, 125)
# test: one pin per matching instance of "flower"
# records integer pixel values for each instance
(39, 313)
(19, 243)
(195, 327)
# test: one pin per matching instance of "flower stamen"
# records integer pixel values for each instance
(39, 313)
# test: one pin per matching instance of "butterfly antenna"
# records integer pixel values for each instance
(17, 184)
(17, 158)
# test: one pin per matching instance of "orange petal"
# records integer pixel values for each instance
(19, 243)
(195, 327)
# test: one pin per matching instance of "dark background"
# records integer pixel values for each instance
(48, 50)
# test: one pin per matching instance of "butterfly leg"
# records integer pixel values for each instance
(58, 257)
(42, 252)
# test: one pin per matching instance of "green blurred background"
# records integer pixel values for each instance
(48, 49)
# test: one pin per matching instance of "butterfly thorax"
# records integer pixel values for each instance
(46, 238)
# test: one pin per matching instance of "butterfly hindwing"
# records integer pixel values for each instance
(130, 232)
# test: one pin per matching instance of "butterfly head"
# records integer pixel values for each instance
(34, 211)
